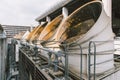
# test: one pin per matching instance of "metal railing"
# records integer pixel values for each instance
(92, 51)
(50, 53)
(94, 76)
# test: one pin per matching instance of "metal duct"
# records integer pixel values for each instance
(36, 32)
(87, 23)
(50, 29)
(100, 31)
(33, 31)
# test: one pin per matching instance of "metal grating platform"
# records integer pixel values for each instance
(28, 67)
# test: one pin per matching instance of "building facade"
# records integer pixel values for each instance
(12, 30)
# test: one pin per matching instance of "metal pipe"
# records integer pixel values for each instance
(56, 63)
(89, 60)
(66, 62)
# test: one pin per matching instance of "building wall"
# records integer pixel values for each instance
(12, 30)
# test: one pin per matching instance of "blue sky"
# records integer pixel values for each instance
(23, 12)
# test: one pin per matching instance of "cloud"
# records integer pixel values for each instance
(23, 12)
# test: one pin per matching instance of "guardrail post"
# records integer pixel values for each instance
(66, 61)
(80, 61)
(89, 60)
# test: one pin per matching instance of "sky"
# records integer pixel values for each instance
(23, 12)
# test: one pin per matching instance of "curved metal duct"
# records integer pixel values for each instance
(36, 32)
(50, 29)
(87, 23)
(48, 32)
(29, 36)
(95, 29)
